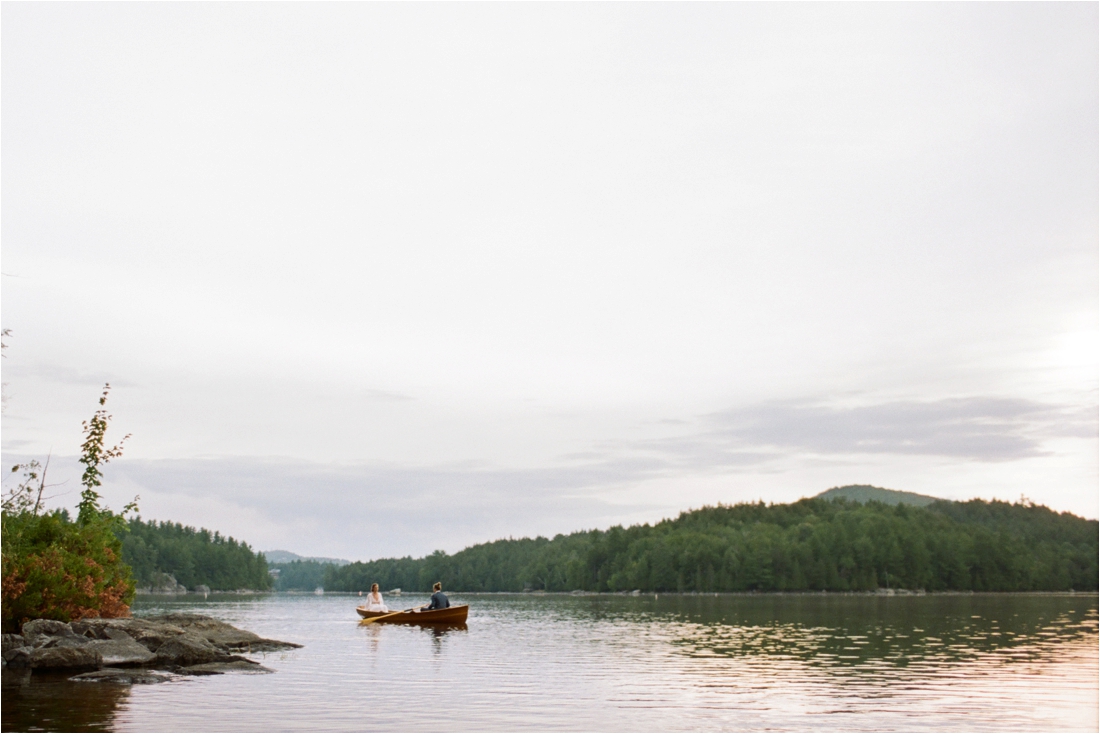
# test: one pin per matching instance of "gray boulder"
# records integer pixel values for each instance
(122, 652)
(37, 631)
(164, 583)
(150, 635)
(120, 677)
(119, 649)
(17, 658)
(48, 658)
(189, 649)
(169, 640)
(11, 642)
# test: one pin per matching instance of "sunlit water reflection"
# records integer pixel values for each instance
(610, 663)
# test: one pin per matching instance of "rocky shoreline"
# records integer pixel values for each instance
(135, 650)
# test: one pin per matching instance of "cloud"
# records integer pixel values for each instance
(974, 428)
(62, 374)
(978, 428)
(373, 510)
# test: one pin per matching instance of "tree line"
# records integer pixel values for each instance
(192, 556)
(809, 545)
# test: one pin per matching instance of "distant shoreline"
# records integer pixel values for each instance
(892, 593)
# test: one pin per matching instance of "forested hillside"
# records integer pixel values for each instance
(192, 556)
(813, 544)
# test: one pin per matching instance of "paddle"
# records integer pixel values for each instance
(372, 620)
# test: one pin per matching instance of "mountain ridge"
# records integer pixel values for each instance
(283, 556)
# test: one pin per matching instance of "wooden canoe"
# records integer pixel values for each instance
(450, 615)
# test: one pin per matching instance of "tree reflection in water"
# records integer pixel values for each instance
(864, 632)
(53, 703)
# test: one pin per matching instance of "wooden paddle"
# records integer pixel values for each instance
(372, 620)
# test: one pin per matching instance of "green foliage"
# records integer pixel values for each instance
(54, 568)
(192, 556)
(388, 573)
(93, 454)
(809, 545)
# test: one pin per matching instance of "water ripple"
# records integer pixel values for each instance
(607, 663)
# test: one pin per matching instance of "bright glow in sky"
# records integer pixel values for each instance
(375, 279)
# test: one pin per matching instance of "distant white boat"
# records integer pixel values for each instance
(394, 592)
(318, 591)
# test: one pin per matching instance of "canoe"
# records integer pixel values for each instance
(450, 615)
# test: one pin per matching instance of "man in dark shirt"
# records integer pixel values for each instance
(439, 599)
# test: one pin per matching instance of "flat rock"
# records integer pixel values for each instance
(169, 640)
(150, 635)
(154, 632)
(189, 649)
(122, 652)
(236, 666)
(221, 634)
(120, 677)
(64, 657)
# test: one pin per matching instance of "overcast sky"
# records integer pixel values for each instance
(374, 279)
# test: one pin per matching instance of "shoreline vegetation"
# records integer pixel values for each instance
(832, 544)
(61, 569)
(58, 568)
(882, 592)
(168, 557)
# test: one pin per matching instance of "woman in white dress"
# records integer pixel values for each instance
(374, 600)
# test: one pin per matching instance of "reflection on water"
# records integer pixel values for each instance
(612, 663)
(52, 703)
(861, 630)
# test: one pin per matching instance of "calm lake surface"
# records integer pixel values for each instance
(613, 663)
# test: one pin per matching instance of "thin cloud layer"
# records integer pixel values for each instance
(366, 511)
(978, 428)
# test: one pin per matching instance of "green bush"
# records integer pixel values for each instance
(57, 568)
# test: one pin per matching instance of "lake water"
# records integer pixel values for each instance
(614, 663)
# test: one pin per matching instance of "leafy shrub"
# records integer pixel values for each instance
(57, 568)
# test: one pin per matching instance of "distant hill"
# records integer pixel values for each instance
(282, 556)
(867, 493)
